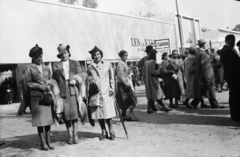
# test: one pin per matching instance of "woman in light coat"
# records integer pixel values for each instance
(36, 76)
(101, 103)
(152, 85)
(126, 97)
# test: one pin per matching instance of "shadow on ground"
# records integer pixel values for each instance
(182, 115)
(58, 138)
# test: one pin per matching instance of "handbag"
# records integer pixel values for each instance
(46, 99)
(93, 89)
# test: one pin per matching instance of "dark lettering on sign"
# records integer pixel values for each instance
(158, 44)
(132, 42)
(149, 41)
(162, 43)
(135, 42)
(138, 42)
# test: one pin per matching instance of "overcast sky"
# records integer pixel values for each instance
(212, 13)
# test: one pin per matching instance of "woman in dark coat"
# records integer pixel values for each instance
(171, 86)
(36, 75)
(63, 73)
(152, 85)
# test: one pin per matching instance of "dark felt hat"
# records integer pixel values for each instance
(61, 49)
(148, 48)
(201, 42)
(94, 50)
(36, 50)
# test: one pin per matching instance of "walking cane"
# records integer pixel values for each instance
(120, 116)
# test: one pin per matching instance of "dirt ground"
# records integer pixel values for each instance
(182, 132)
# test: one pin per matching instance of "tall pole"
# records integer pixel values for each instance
(179, 27)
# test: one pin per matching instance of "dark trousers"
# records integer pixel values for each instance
(212, 101)
(150, 105)
(212, 98)
(234, 99)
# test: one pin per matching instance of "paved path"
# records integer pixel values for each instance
(182, 132)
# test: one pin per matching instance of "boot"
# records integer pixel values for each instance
(43, 143)
(48, 141)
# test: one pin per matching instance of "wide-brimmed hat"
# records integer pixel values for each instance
(148, 48)
(61, 49)
(36, 50)
(201, 42)
(94, 50)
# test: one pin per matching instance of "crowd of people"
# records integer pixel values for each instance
(70, 93)
(195, 75)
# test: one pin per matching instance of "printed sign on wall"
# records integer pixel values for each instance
(161, 45)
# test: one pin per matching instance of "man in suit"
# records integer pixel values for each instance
(141, 62)
(151, 108)
(203, 84)
(231, 65)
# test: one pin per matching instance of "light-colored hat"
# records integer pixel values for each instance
(201, 42)
(61, 49)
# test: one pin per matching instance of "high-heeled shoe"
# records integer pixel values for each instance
(51, 147)
(112, 136)
(103, 136)
(167, 109)
(70, 141)
(44, 147)
(76, 141)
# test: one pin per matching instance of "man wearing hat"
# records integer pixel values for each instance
(141, 62)
(151, 109)
(203, 84)
(64, 73)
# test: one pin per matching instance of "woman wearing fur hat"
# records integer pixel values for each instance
(36, 75)
(63, 73)
(101, 101)
(125, 92)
